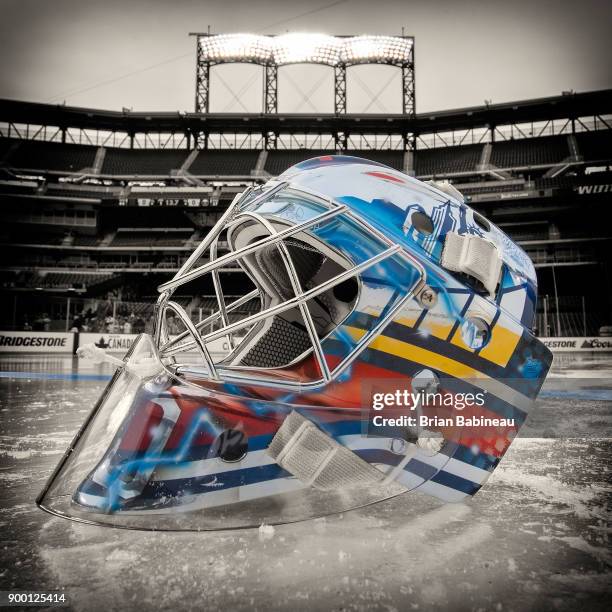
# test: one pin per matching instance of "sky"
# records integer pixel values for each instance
(137, 54)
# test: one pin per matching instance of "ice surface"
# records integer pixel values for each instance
(535, 537)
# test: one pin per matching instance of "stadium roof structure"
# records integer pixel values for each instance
(572, 106)
(272, 52)
(307, 47)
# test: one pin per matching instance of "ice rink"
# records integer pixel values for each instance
(535, 537)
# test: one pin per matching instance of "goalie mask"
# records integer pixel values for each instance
(381, 344)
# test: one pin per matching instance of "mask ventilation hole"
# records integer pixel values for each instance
(481, 222)
(475, 332)
(231, 445)
(422, 223)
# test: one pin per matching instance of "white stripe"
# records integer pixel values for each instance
(409, 480)
(214, 465)
(467, 471)
(354, 441)
(257, 458)
(442, 492)
(213, 498)
(454, 466)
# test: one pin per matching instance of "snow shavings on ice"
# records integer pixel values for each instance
(567, 498)
(582, 545)
(266, 532)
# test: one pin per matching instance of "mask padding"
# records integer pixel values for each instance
(281, 343)
(306, 260)
(282, 339)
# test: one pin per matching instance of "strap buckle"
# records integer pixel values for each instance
(475, 256)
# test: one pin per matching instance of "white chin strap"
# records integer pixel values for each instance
(314, 458)
(474, 256)
(317, 460)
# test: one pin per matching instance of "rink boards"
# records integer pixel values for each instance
(57, 342)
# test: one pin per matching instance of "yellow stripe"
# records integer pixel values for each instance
(501, 345)
(500, 348)
(457, 340)
(421, 355)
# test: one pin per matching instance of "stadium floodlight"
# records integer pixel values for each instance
(272, 52)
(228, 48)
(376, 49)
(307, 48)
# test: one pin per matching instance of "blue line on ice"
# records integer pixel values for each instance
(49, 376)
(582, 394)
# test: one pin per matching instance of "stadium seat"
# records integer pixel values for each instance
(278, 161)
(595, 146)
(50, 156)
(153, 238)
(494, 187)
(393, 159)
(224, 163)
(145, 162)
(542, 151)
(447, 160)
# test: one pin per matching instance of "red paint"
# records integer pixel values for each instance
(385, 176)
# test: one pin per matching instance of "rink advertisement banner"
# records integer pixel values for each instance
(53, 342)
(120, 343)
(35, 342)
(581, 343)
(113, 343)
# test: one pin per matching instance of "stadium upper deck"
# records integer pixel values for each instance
(74, 184)
(545, 138)
(573, 106)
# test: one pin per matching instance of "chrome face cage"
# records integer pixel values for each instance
(193, 338)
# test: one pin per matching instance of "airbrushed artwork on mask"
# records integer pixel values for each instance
(260, 414)
(393, 203)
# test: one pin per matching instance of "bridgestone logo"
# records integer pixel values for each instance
(560, 343)
(32, 341)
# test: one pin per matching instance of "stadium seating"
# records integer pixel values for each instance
(85, 240)
(556, 182)
(494, 187)
(278, 161)
(535, 233)
(447, 160)
(548, 150)
(25, 236)
(54, 280)
(393, 159)
(71, 279)
(596, 145)
(50, 156)
(153, 241)
(126, 238)
(568, 181)
(145, 162)
(153, 216)
(16, 187)
(5, 146)
(224, 163)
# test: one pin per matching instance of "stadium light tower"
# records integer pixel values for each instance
(273, 52)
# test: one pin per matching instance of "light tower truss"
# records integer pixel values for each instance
(273, 52)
